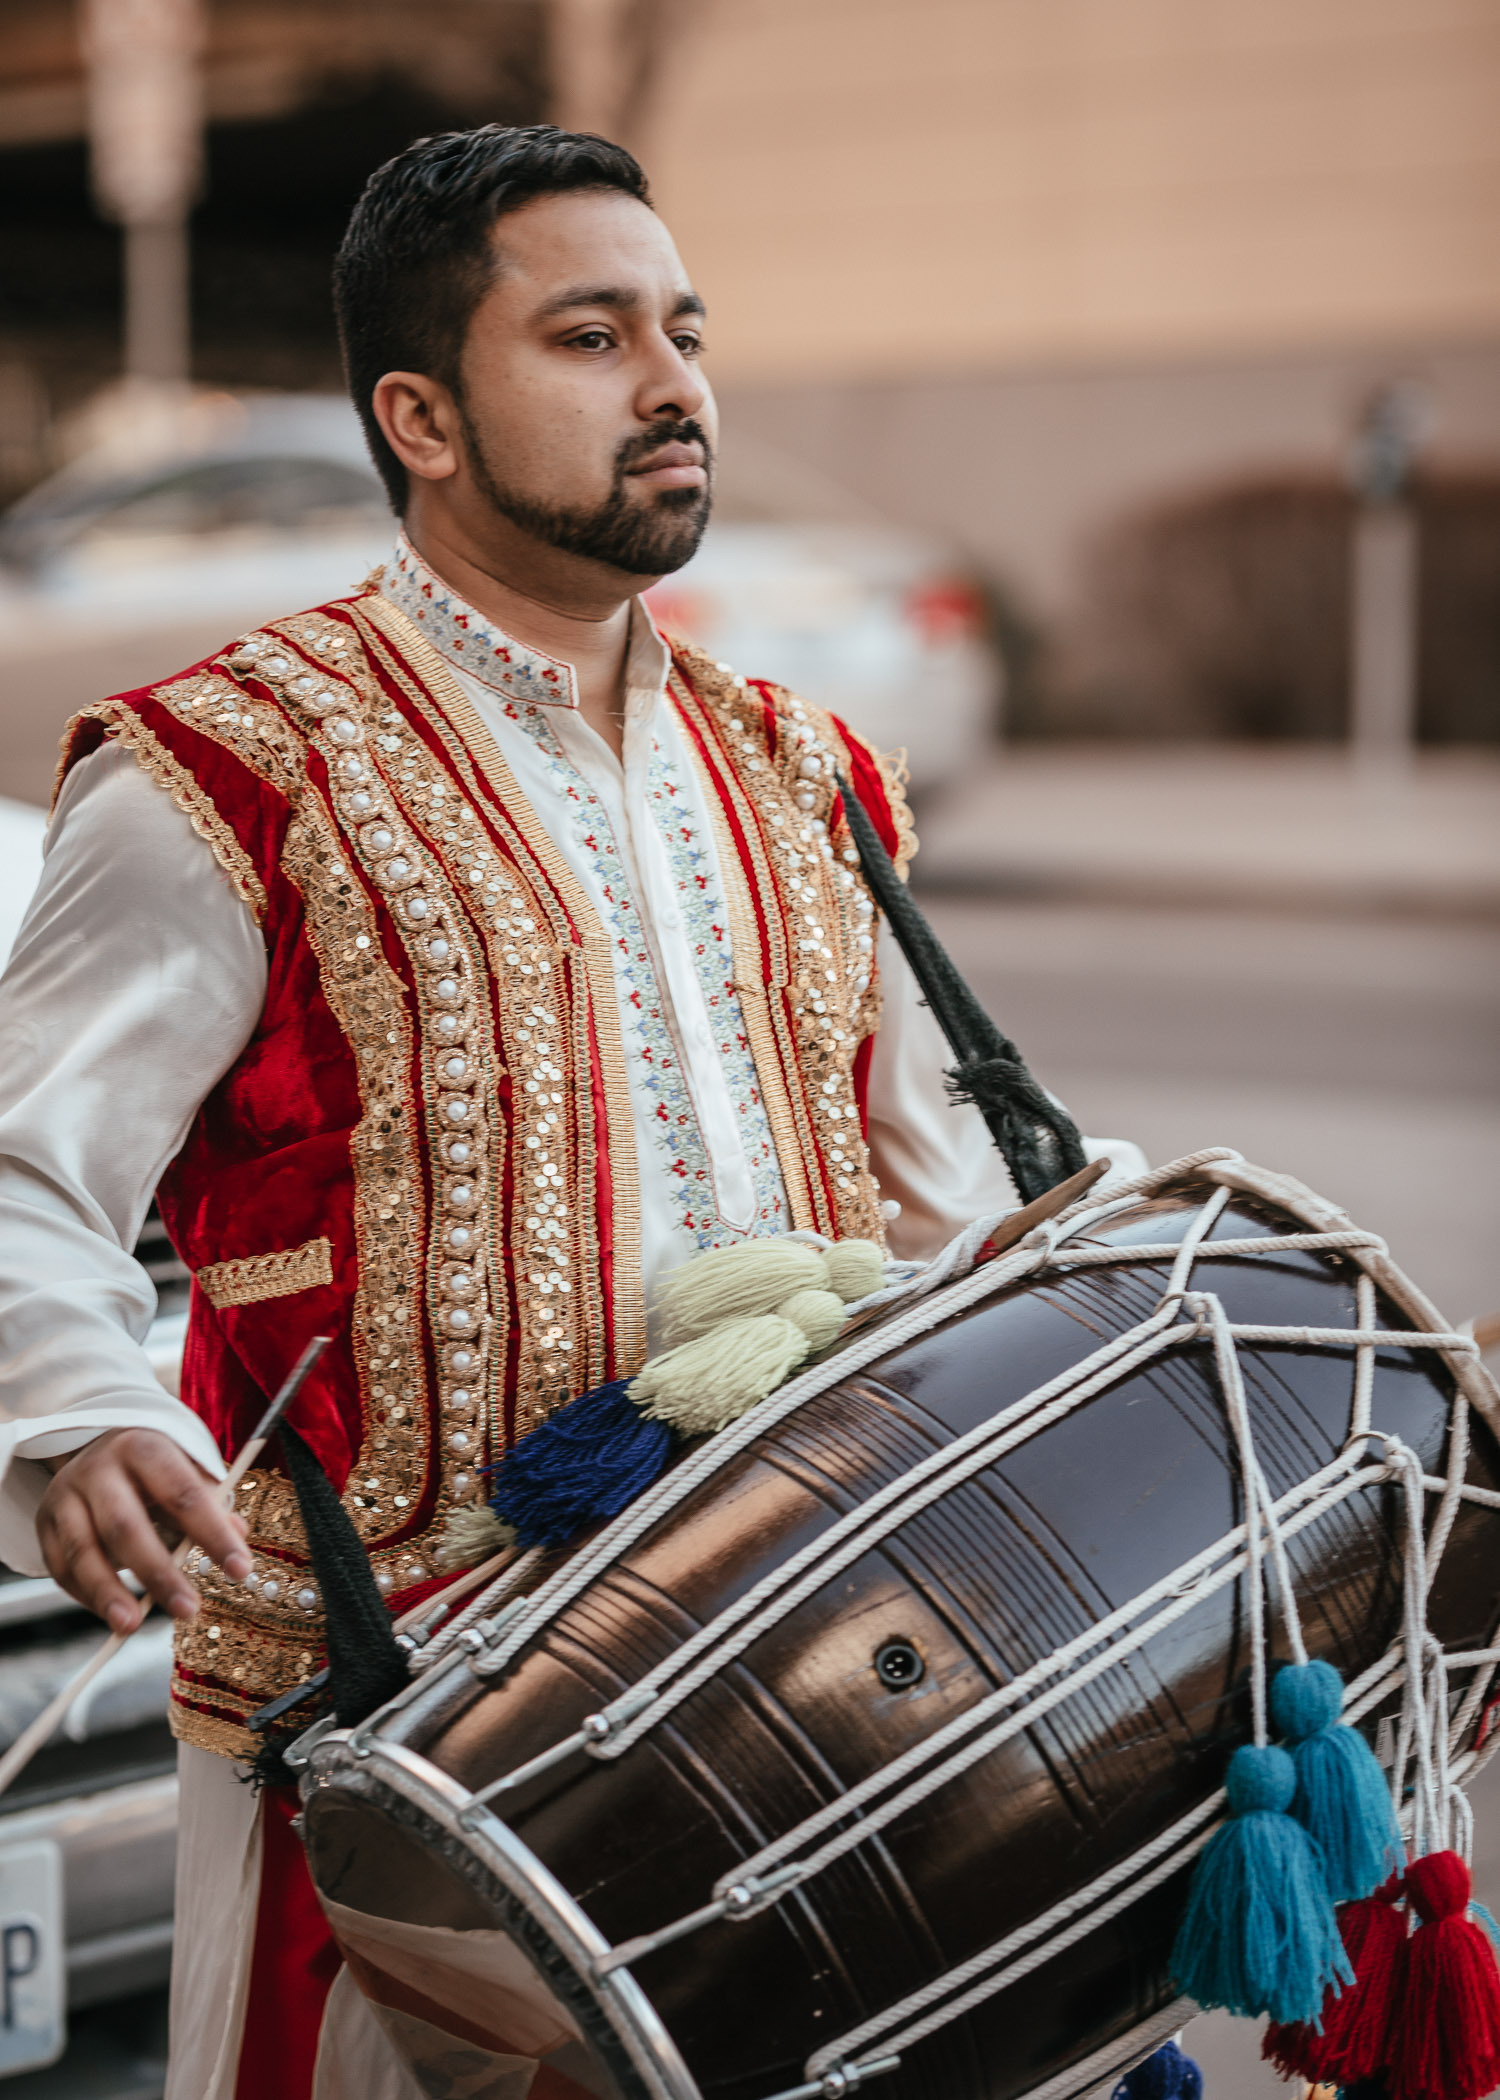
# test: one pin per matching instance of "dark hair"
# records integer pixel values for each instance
(416, 259)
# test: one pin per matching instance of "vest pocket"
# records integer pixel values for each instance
(250, 1277)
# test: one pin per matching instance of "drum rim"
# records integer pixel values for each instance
(634, 2019)
(621, 2000)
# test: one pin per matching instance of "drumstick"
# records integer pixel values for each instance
(1047, 1205)
(32, 1737)
(461, 1587)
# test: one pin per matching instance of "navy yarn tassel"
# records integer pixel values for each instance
(1342, 1800)
(1259, 1934)
(1168, 2075)
(581, 1465)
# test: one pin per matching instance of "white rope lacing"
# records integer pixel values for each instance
(1260, 1513)
(1033, 1254)
(1023, 1688)
(1431, 1803)
(480, 1607)
(902, 2026)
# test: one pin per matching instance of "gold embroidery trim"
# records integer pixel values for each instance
(261, 1647)
(249, 1643)
(823, 999)
(157, 762)
(248, 1278)
(791, 1131)
(479, 761)
(894, 773)
(381, 778)
(531, 1009)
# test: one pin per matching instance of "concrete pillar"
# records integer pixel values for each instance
(145, 132)
(1383, 643)
(588, 64)
(1383, 582)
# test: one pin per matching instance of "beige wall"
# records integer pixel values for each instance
(1020, 467)
(887, 187)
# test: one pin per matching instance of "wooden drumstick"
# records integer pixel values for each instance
(1015, 1228)
(31, 1738)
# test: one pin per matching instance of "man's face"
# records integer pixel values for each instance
(586, 420)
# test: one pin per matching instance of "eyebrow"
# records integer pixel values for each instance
(622, 298)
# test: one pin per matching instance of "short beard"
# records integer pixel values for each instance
(640, 539)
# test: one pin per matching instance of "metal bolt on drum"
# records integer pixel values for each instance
(899, 1665)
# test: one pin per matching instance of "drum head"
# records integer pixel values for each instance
(478, 1976)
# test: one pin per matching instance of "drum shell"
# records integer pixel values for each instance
(997, 1574)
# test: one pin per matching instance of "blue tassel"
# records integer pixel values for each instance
(581, 1465)
(1342, 1800)
(1259, 1934)
(1168, 2075)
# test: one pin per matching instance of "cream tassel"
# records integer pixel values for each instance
(728, 1282)
(757, 1276)
(471, 1534)
(855, 1268)
(703, 1385)
(709, 1382)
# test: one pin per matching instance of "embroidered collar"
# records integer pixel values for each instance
(474, 644)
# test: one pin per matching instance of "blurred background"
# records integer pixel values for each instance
(1111, 398)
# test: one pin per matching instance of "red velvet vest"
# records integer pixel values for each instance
(440, 1049)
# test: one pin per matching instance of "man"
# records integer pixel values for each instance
(453, 960)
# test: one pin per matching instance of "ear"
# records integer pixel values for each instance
(420, 422)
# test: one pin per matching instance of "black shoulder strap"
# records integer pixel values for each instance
(1037, 1136)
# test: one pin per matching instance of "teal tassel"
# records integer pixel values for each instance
(1259, 1934)
(1341, 1800)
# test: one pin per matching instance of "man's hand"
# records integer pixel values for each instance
(102, 1511)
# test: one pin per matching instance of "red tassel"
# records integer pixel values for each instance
(1295, 2048)
(1352, 2043)
(1445, 2035)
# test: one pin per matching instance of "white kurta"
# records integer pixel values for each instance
(137, 979)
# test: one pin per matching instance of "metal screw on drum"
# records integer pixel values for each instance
(899, 1665)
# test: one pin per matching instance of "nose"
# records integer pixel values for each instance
(674, 388)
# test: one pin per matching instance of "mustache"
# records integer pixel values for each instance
(671, 432)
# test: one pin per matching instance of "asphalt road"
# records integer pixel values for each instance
(1362, 1056)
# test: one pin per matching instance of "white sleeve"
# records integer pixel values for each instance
(137, 978)
(934, 1156)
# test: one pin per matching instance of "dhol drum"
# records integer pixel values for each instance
(879, 1738)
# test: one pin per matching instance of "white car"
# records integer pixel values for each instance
(184, 527)
(164, 542)
(21, 827)
(879, 625)
(88, 1832)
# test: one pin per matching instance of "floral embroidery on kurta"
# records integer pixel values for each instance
(654, 1062)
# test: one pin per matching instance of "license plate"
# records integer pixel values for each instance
(33, 1956)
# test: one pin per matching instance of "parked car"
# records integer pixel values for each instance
(172, 535)
(21, 828)
(881, 626)
(161, 543)
(88, 1832)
